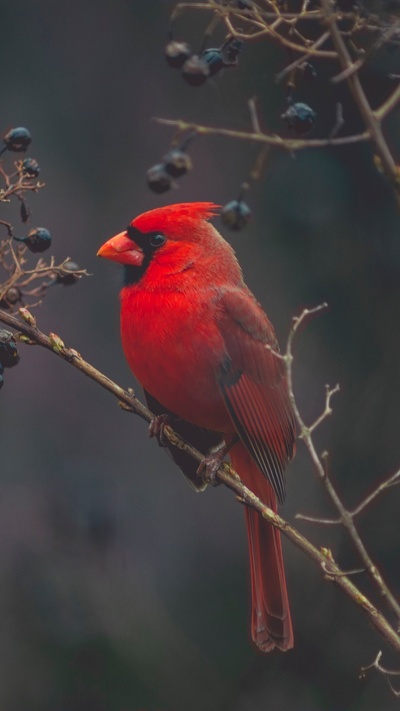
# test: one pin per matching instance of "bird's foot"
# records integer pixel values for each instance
(157, 427)
(208, 468)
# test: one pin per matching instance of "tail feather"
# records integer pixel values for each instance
(271, 624)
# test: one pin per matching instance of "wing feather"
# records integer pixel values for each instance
(253, 384)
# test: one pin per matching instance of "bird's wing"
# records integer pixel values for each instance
(201, 439)
(253, 384)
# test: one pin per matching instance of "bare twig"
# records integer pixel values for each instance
(255, 123)
(339, 123)
(392, 481)
(298, 62)
(376, 664)
(346, 516)
(388, 105)
(371, 119)
(321, 521)
(329, 392)
(20, 277)
(287, 144)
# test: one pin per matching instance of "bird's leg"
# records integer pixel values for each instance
(209, 466)
(156, 429)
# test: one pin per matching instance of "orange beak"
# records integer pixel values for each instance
(122, 249)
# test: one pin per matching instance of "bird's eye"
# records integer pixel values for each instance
(157, 240)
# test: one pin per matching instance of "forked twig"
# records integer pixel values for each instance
(346, 517)
(376, 664)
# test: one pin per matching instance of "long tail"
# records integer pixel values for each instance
(271, 625)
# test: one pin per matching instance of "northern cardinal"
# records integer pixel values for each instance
(205, 353)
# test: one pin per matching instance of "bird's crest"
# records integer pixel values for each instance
(174, 214)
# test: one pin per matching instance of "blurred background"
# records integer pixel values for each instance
(120, 589)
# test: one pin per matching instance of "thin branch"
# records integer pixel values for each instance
(376, 664)
(392, 481)
(323, 558)
(346, 517)
(371, 120)
(346, 73)
(327, 410)
(287, 144)
(359, 63)
(388, 105)
(214, 6)
(303, 58)
(255, 123)
(320, 521)
(270, 31)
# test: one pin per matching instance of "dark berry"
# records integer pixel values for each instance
(245, 4)
(176, 53)
(299, 118)
(17, 139)
(24, 211)
(30, 168)
(231, 51)
(309, 71)
(12, 295)
(37, 240)
(69, 277)
(177, 162)
(8, 349)
(158, 179)
(214, 59)
(195, 71)
(236, 214)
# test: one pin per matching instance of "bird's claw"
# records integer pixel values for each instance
(157, 427)
(208, 468)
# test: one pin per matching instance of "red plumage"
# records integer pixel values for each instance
(205, 352)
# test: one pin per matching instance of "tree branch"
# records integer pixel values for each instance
(346, 516)
(27, 331)
(376, 664)
(371, 119)
(288, 144)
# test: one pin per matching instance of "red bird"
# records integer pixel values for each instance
(195, 338)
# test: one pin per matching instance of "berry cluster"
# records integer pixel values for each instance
(9, 355)
(197, 68)
(175, 164)
(18, 283)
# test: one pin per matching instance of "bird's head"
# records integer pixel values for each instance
(170, 237)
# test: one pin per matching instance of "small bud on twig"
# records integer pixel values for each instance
(27, 316)
(57, 343)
